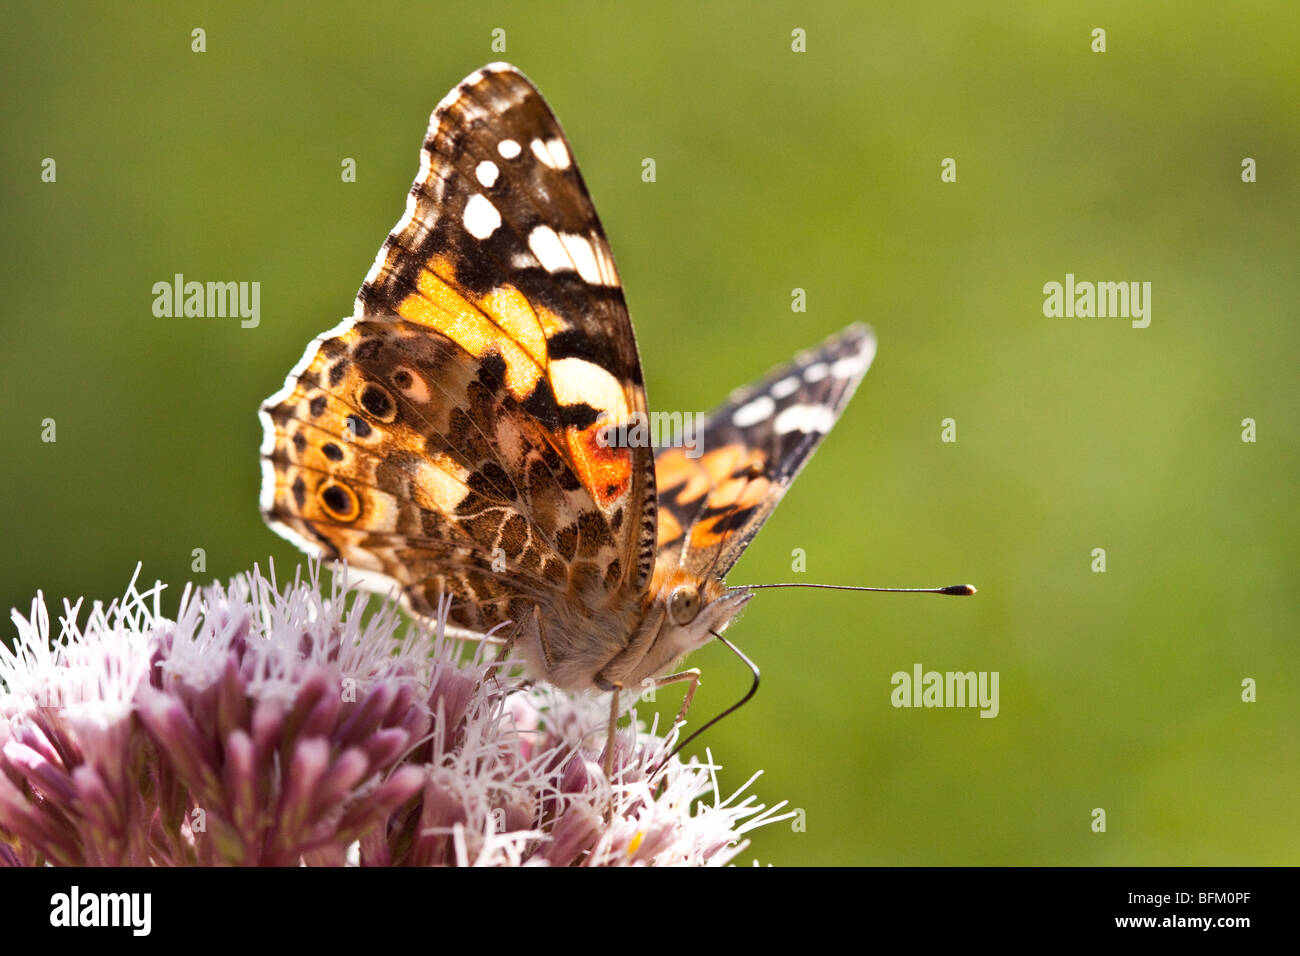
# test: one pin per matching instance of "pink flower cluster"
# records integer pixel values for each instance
(280, 728)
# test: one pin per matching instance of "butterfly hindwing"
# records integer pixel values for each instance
(750, 450)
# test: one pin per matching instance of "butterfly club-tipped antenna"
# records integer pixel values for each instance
(956, 590)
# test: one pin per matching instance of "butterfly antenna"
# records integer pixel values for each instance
(956, 589)
(753, 668)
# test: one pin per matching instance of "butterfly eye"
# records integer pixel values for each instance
(684, 604)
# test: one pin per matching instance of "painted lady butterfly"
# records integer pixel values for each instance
(451, 436)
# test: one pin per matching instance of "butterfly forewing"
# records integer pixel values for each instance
(751, 448)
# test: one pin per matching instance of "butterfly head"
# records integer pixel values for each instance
(684, 612)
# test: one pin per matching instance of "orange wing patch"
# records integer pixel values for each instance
(510, 310)
(686, 480)
(605, 470)
(439, 305)
(704, 496)
(503, 321)
(669, 528)
(729, 506)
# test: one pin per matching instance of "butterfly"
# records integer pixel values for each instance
(453, 435)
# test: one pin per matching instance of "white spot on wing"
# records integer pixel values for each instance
(804, 418)
(575, 381)
(584, 258)
(548, 249)
(481, 217)
(559, 152)
(815, 372)
(608, 271)
(487, 173)
(508, 149)
(552, 153)
(753, 412)
(850, 365)
(570, 251)
(785, 387)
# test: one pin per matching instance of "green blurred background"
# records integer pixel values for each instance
(818, 170)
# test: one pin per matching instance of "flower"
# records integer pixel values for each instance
(304, 726)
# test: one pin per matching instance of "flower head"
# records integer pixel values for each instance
(278, 727)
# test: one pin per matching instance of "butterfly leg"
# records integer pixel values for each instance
(693, 676)
(515, 633)
(547, 657)
(608, 765)
(504, 652)
(541, 639)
